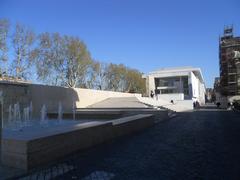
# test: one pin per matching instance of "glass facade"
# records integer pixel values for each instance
(170, 85)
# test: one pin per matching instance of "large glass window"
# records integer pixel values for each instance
(175, 84)
(185, 85)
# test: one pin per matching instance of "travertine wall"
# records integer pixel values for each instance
(87, 97)
(52, 95)
(13, 93)
(173, 96)
(82, 98)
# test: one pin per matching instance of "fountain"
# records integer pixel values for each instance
(16, 120)
(26, 116)
(10, 119)
(31, 110)
(74, 110)
(15, 112)
(43, 120)
(60, 113)
(26, 144)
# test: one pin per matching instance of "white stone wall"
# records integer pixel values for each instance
(198, 89)
(52, 95)
(87, 97)
(195, 86)
(202, 93)
(174, 97)
(151, 84)
(13, 93)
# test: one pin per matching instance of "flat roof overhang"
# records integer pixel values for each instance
(177, 72)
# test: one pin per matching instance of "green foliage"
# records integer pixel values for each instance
(116, 77)
(122, 78)
(63, 61)
(136, 84)
(49, 55)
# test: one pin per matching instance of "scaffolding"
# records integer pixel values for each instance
(229, 66)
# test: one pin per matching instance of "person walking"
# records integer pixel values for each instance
(152, 94)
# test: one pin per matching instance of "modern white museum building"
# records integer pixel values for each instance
(177, 84)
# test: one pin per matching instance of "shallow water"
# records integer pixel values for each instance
(36, 129)
(38, 125)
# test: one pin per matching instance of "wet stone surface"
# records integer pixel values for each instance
(194, 145)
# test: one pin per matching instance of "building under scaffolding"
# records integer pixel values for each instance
(229, 48)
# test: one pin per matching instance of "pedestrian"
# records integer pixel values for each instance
(156, 94)
(197, 104)
(228, 106)
(152, 94)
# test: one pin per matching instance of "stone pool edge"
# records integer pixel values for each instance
(29, 154)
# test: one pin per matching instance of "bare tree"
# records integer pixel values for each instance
(78, 62)
(115, 77)
(4, 29)
(23, 41)
(49, 58)
(97, 76)
(62, 60)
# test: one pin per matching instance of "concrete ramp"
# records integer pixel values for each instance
(120, 102)
(178, 106)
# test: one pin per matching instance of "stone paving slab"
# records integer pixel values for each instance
(202, 144)
(193, 145)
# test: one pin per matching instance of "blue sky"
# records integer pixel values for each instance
(142, 34)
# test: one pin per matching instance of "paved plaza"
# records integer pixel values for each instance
(203, 144)
(195, 145)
